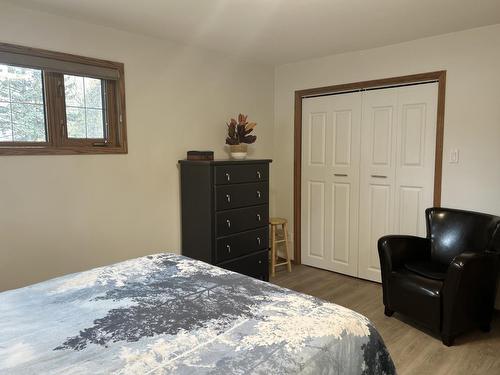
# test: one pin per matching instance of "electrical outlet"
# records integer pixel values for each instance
(454, 156)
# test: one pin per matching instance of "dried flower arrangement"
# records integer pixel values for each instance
(239, 131)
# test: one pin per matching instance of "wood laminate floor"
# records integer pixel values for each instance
(412, 350)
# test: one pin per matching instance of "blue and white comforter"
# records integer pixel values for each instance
(168, 314)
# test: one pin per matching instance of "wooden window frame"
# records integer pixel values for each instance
(437, 76)
(57, 143)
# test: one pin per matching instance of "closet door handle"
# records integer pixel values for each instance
(228, 223)
(228, 198)
(378, 176)
(228, 177)
(340, 174)
(228, 247)
(258, 194)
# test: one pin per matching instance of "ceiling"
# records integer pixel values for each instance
(280, 31)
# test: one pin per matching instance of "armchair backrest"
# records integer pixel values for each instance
(454, 231)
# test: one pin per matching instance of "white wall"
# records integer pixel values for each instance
(60, 214)
(472, 119)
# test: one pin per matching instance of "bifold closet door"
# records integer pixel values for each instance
(330, 182)
(377, 176)
(415, 159)
(398, 140)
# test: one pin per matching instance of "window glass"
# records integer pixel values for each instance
(22, 114)
(84, 107)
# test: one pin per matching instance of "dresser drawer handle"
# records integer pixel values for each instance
(228, 222)
(259, 175)
(259, 218)
(260, 262)
(259, 194)
(228, 198)
(228, 177)
(228, 247)
(258, 240)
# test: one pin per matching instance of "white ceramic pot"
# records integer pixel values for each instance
(238, 152)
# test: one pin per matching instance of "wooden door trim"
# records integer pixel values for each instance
(438, 76)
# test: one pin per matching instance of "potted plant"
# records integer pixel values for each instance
(238, 136)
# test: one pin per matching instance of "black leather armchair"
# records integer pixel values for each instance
(446, 281)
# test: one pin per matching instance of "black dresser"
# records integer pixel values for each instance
(225, 214)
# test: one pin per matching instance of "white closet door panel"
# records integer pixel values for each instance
(330, 156)
(379, 133)
(340, 230)
(317, 140)
(316, 215)
(342, 138)
(380, 219)
(377, 176)
(410, 211)
(416, 144)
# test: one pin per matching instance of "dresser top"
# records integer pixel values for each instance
(225, 161)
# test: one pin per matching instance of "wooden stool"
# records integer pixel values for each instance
(274, 222)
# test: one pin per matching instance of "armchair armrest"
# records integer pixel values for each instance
(395, 250)
(469, 288)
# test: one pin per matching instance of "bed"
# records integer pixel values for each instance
(169, 314)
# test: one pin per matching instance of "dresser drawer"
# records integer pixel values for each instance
(241, 219)
(235, 174)
(254, 265)
(241, 195)
(242, 243)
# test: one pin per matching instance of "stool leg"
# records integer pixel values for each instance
(283, 232)
(288, 263)
(277, 239)
(273, 249)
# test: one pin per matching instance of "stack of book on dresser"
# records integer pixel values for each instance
(200, 155)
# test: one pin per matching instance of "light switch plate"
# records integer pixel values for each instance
(454, 156)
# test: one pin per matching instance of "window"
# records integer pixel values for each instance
(55, 103)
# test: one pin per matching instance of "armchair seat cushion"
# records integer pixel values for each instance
(429, 269)
(416, 296)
